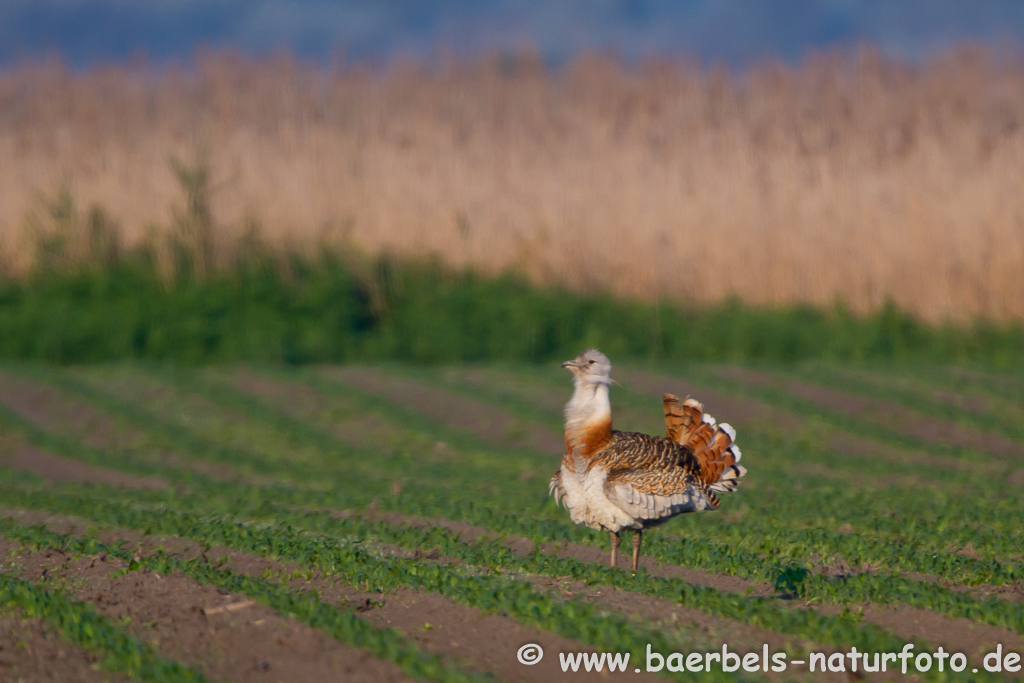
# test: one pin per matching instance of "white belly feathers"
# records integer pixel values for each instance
(587, 503)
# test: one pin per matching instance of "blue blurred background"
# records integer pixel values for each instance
(87, 32)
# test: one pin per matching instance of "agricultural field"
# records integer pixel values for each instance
(392, 522)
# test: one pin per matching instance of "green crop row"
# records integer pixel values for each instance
(711, 557)
(884, 434)
(788, 459)
(761, 539)
(339, 558)
(280, 531)
(338, 623)
(78, 623)
(883, 587)
(515, 392)
(922, 399)
(721, 549)
(338, 484)
(709, 529)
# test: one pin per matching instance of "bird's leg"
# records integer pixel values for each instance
(638, 537)
(615, 547)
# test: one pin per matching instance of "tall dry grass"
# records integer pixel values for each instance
(837, 179)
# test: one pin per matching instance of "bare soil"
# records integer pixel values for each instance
(488, 642)
(304, 402)
(489, 422)
(972, 638)
(58, 468)
(48, 407)
(31, 651)
(741, 411)
(172, 613)
(964, 635)
(891, 415)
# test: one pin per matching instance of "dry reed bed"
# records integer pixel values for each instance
(850, 179)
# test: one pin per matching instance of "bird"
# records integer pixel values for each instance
(615, 480)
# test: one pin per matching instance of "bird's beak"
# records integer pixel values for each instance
(570, 364)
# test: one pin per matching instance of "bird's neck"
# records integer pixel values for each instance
(588, 418)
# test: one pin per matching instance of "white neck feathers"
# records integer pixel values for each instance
(588, 407)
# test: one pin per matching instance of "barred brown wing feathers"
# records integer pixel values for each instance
(657, 494)
(661, 483)
(651, 464)
(632, 450)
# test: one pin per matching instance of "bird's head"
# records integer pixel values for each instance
(591, 366)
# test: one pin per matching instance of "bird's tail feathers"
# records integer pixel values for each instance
(713, 445)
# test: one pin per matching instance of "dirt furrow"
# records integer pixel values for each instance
(488, 642)
(53, 410)
(742, 411)
(928, 622)
(22, 456)
(31, 652)
(956, 634)
(489, 422)
(225, 636)
(891, 415)
(301, 401)
(45, 406)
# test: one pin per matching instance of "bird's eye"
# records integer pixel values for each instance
(591, 362)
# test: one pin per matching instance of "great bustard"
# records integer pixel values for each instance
(624, 480)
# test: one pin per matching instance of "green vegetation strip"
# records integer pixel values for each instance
(796, 579)
(287, 534)
(337, 555)
(345, 560)
(736, 549)
(340, 624)
(739, 549)
(332, 307)
(882, 387)
(855, 425)
(990, 525)
(758, 534)
(78, 623)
